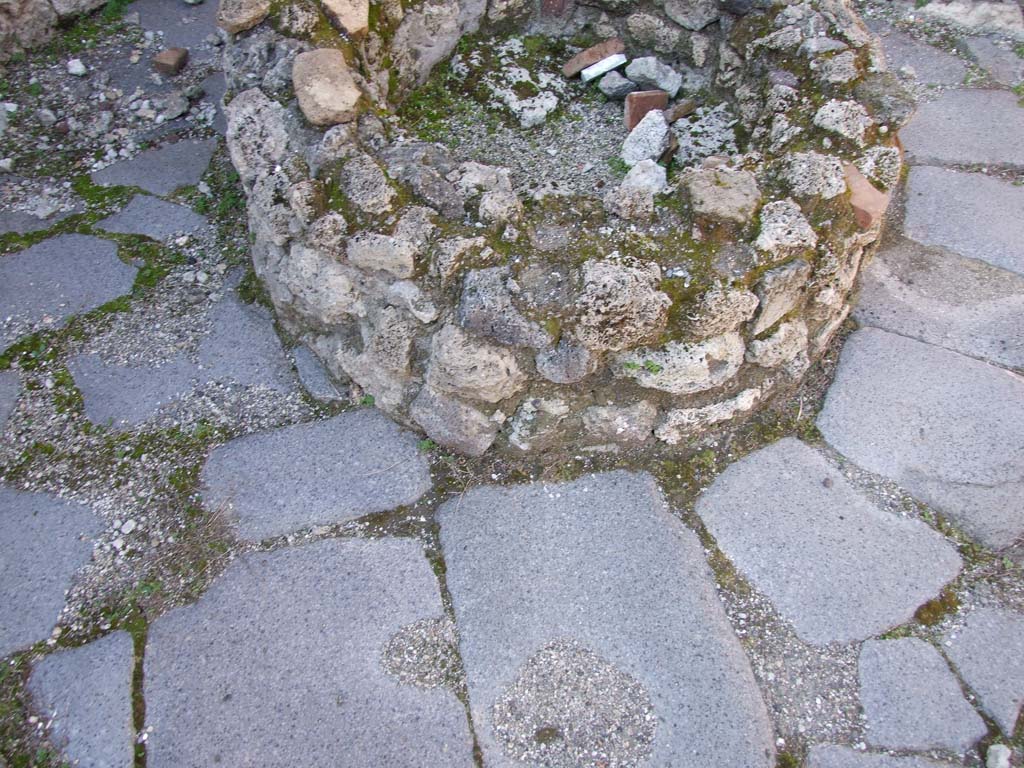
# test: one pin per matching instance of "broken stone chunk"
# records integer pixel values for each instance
(615, 86)
(602, 67)
(696, 14)
(383, 253)
(467, 367)
(844, 118)
(784, 230)
(787, 343)
(620, 303)
(350, 16)
(648, 72)
(869, 204)
(620, 424)
(236, 16)
(634, 197)
(170, 61)
(722, 195)
(682, 369)
(452, 423)
(567, 363)
(648, 141)
(680, 110)
(639, 103)
(325, 88)
(685, 422)
(592, 55)
(779, 291)
(810, 174)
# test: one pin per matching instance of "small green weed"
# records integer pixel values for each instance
(367, 400)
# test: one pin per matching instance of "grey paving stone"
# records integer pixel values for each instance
(937, 296)
(989, 654)
(314, 376)
(155, 218)
(911, 699)
(58, 278)
(834, 565)
(970, 213)
(323, 472)
(1002, 63)
(121, 396)
(586, 614)
(87, 691)
(215, 86)
(43, 541)
(10, 388)
(24, 223)
(836, 756)
(243, 347)
(161, 170)
(931, 65)
(966, 127)
(184, 26)
(280, 661)
(947, 428)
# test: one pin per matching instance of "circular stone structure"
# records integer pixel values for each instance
(458, 223)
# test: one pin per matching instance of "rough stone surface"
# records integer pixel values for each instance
(58, 278)
(722, 310)
(87, 691)
(615, 86)
(154, 218)
(722, 195)
(788, 342)
(620, 424)
(989, 655)
(350, 16)
(810, 174)
(634, 197)
(325, 88)
(273, 483)
(1001, 62)
(947, 428)
(452, 423)
(936, 296)
(979, 16)
(836, 566)
(835, 756)
(847, 119)
(929, 64)
(692, 14)
(314, 376)
(622, 305)
(10, 388)
(779, 291)
(784, 230)
(648, 140)
(648, 611)
(912, 701)
(43, 542)
(282, 657)
(466, 367)
(680, 368)
(649, 72)
(239, 15)
(977, 225)
(681, 423)
(162, 170)
(967, 127)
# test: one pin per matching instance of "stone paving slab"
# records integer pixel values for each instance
(964, 127)
(587, 619)
(937, 296)
(87, 691)
(184, 26)
(120, 396)
(323, 472)
(155, 218)
(835, 756)
(947, 428)
(161, 170)
(281, 660)
(1002, 64)
(911, 699)
(931, 66)
(834, 565)
(989, 654)
(43, 542)
(23, 223)
(58, 278)
(10, 388)
(314, 376)
(973, 214)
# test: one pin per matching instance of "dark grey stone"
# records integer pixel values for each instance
(183, 25)
(43, 542)
(989, 655)
(936, 296)
(835, 565)
(243, 347)
(121, 396)
(835, 756)
(281, 660)
(544, 577)
(970, 213)
(87, 691)
(912, 701)
(214, 88)
(314, 474)
(58, 278)
(314, 376)
(162, 170)
(24, 223)
(1003, 64)
(10, 388)
(966, 127)
(156, 219)
(947, 428)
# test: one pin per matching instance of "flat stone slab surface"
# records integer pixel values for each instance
(936, 296)
(10, 388)
(964, 127)
(155, 218)
(87, 691)
(911, 699)
(834, 565)
(282, 657)
(161, 170)
(24, 223)
(241, 347)
(58, 278)
(314, 376)
(931, 66)
(989, 654)
(590, 630)
(1002, 63)
(835, 756)
(318, 473)
(947, 428)
(184, 26)
(43, 542)
(973, 214)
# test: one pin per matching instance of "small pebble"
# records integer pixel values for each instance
(77, 68)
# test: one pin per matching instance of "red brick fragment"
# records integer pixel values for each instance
(639, 103)
(592, 55)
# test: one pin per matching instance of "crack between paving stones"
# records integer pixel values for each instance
(911, 337)
(138, 700)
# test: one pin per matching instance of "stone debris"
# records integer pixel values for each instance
(603, 67)
(639, 103)
(778, 291)
(236, 16)
(452, 423)
(911, 699)
(811, 174)
(650, 73)
(648, 140)
(170, 61)
(721, 195)
(683, 423)
(615, 86)
(680, 368)
(634, 197)
(593, 55)
(847, 119)
(785, 230)
(625, 424)
(350, 16)
(325, 88)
